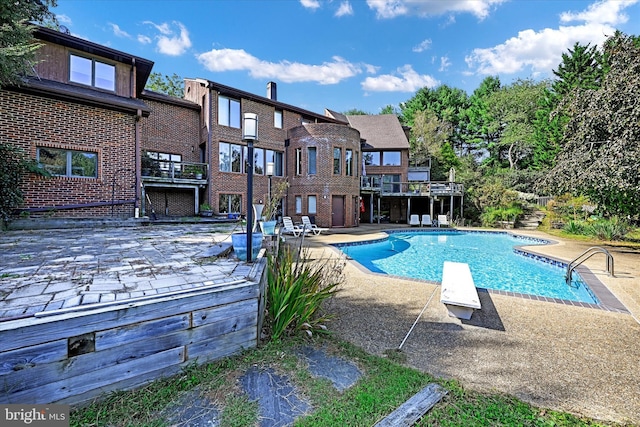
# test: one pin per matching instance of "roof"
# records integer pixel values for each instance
(167, 99)
(382, 131)
(237, 93)
(143, 66)
(87, 96)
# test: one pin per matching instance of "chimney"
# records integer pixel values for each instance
(272, 91)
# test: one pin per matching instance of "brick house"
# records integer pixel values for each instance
(316, 153)
(79, 116)
(117, 150)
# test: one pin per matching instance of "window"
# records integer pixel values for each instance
(298, 204)
(298, 161)
(312, 156)
(228, 112)
(92, 73)
(230, 157)
(68, 162)
(229, 203)
(276, 158)
(337, 160)
(311, 204)
(277, 119)
(348, 164)
(391, 158)
(258, 161)
(371, 158)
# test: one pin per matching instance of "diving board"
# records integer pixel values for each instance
(458, 292)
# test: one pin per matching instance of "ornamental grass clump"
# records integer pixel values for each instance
(297, 289)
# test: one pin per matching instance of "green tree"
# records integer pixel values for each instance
(356, 112)
(169, 85)
(512, 112)
(389, 109)
(17, 47)
(599, 157)
(478, 135)
(13, 166)
(581, 67)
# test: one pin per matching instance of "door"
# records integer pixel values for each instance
(337, 211)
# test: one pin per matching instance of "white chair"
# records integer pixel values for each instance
(289, 228)
(414, 220)
(442, 220)
(306, 223)
(426, 220)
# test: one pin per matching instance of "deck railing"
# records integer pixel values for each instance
(166, 169)
(429, 189)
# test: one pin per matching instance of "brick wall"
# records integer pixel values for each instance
(29, 121)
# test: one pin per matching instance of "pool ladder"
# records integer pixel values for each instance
(585, 256)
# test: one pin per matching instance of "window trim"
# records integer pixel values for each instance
(315, 161)
(337, 161)
(230, 109)
(68, 153)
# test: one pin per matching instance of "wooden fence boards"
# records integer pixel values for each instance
(71, 357)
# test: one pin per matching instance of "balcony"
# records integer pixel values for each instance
(167, 172)
(372, 184)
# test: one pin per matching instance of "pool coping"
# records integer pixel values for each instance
(607, 300)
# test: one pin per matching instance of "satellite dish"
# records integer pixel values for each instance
(64, 30)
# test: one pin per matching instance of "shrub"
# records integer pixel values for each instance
(609, 229)
(296, 291)
(576, 227)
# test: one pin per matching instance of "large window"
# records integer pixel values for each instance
(230, 157)
(229, 203)
(275, 157)
(228, 112)
(68, 162)
(337, 161)
(312, 159)
(298, 204)
(348, 163)
(391, 158)
(371, 158)
(311, 205)
(90, 72)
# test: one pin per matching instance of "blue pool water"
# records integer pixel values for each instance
(491, 258)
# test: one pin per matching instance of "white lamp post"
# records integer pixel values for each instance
(250, 135)
(270, 168)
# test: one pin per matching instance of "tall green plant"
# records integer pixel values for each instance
(297, 289)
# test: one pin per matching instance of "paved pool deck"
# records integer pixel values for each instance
(577, 359)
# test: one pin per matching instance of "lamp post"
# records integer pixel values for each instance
(250, 135)
(270, 167)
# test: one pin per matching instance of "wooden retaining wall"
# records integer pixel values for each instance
(73, 356)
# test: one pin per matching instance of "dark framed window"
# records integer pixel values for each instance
(371, 158)
(298, 161)
(391, 158)
(229, 203)
(348, 163)
(337, 161)
(228, 112)
(71, 163)
(275, 157)
(90, 72)
(312, 159)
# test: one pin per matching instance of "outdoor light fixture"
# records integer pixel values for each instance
(250, 134)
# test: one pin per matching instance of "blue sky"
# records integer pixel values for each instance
(346, 54)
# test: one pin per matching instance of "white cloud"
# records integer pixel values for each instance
(424, 45)
(168, 42)
(64, 19)
(392, 8)
(539, 50)
(445, 63)
(310, 4)
(218, 60)
(344, 9)
(118, 31)
(407, 81)
(144, 39)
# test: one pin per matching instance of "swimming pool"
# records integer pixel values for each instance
(491, 257)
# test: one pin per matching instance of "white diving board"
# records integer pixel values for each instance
(458, 292)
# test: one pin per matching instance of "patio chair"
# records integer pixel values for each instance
(306, 223)
(426, 220)
(442, 220)
(289, 228)
(414, 220)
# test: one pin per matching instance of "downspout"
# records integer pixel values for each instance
(136, 204)
(209, 154)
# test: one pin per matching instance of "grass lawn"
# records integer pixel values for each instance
(386, 383)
